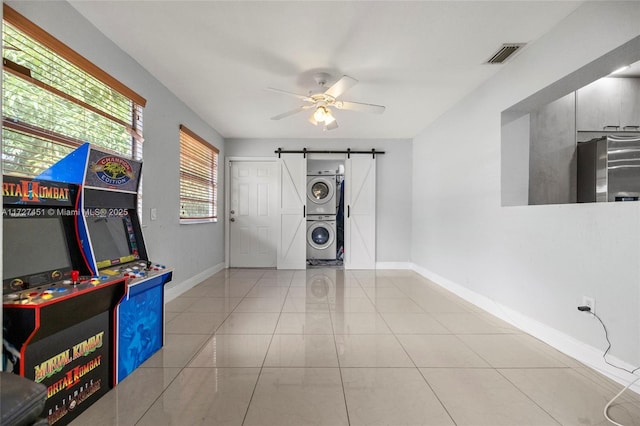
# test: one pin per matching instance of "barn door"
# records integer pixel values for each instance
(292, 248)
(360, 212)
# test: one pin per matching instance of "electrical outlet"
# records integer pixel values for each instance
(590, 302)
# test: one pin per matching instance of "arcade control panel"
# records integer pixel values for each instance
(135, 272)
(51, 292)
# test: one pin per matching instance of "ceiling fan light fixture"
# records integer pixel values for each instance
(321, 103)
(321, 113)
(329, 119)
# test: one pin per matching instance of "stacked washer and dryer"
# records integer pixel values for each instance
(322, 204)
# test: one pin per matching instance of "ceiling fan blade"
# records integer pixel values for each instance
(331, 126)
(360, 107)
(292, 112)
(341, 86)
(284, 92)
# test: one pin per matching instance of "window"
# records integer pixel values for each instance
(198, 178)
(54, 100)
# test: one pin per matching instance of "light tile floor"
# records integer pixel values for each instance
(333, 347)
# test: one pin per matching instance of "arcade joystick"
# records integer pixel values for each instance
(148, 265)
(74, 277)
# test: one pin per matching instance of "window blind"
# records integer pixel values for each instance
(54, 100)
(198, 177)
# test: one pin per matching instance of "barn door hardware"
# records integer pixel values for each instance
(348, 151)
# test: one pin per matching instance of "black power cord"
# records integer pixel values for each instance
(606, 336)
(604, 356)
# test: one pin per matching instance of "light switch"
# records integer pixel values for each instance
(154, 214)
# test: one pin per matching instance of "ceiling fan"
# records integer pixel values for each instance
(321, 103)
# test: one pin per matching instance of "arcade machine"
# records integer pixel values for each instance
(59, 322)
(113, 244)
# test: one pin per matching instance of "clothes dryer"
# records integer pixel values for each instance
(321, 193)
(321, 237)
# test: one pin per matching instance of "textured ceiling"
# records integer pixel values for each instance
(417, 58)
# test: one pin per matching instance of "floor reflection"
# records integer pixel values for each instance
(328, 346)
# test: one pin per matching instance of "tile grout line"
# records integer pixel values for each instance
(181, 369)
(344, 393)
(418, 370)
(527, 395)
(159, 396)
(203, 345)
(255, 387)
(444, 407)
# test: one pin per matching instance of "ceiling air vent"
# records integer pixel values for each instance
(504, 53)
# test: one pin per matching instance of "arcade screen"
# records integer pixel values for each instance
(33, 245)
(113, 240)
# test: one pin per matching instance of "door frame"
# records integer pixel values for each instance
(227, 197)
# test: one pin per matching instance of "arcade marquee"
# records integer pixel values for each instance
(83, 305)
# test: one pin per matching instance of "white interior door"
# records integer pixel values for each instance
(360, 212)
(253, 214)
(292, 245)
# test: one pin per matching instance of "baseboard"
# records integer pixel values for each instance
(175, 291)
(394, 265)
(586, 354)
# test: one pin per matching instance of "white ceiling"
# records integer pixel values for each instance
(417, 58)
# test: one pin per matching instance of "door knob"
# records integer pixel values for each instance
(232, 219)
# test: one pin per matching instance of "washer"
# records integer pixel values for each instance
(321, 237)
(321, 192)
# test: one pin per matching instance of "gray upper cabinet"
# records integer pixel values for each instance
(630, 103)
(598, 105)
(609, 102)
(552, 166)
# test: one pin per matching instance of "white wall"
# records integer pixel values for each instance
(535, 261)
(393, 196)
(189, 249)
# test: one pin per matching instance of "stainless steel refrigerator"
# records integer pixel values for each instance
(609, 169)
